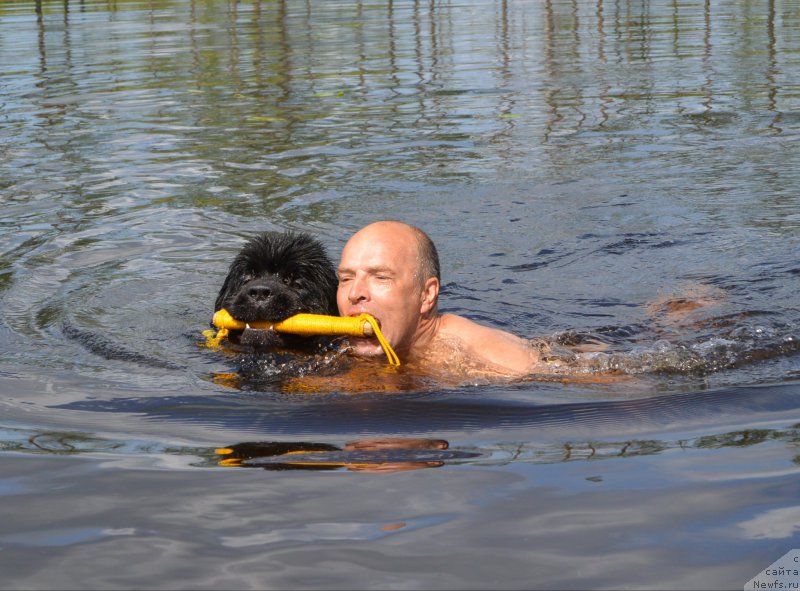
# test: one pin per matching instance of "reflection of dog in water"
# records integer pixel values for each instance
(389, 454)
(275, 276)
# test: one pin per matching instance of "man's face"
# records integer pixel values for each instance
(376, 276)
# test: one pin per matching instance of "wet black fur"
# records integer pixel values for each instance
(276, 275)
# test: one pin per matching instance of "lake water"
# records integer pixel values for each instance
(578, 163)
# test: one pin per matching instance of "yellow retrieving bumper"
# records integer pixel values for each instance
(363, 325)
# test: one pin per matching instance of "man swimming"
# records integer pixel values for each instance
(391, 270)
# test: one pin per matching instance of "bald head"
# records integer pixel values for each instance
(415, 242)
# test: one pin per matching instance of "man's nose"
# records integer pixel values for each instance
(358, 290)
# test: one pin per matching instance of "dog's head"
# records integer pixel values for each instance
(277, 275)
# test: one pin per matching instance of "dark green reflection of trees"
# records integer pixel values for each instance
(279, 100)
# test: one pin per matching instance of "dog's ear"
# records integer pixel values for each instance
(223, 292)
(319, 269)
(232, 284)
(331, 283)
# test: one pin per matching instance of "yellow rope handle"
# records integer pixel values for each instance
(387, 348)
(363, 325)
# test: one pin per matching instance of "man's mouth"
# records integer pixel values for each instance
(369, 333)
(355, 314)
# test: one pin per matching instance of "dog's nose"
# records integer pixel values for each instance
(259, 292)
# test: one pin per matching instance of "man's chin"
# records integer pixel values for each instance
(366, 347)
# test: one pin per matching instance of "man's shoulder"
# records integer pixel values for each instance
(497, 349)
(454, 326)
(451, 325)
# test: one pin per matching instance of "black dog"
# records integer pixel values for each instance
(274, 276)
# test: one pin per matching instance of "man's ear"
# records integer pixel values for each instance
(430, 293)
